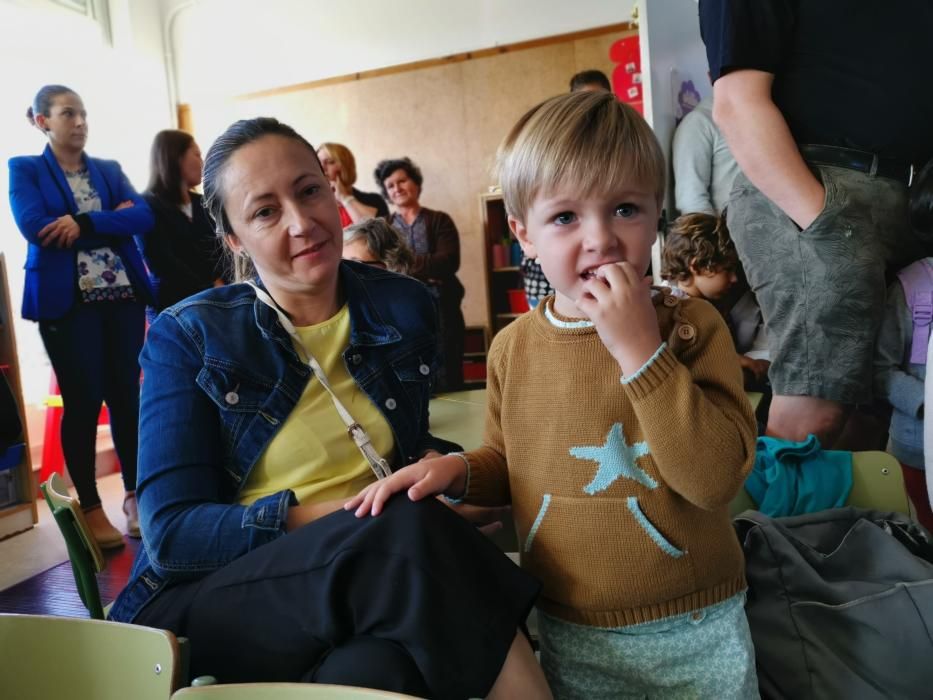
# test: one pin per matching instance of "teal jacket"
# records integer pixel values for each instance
(793, 478)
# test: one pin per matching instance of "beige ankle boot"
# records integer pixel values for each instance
(107, 536)
(132, 515)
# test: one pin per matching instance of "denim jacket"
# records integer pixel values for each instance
(898, 380)
(220, 376)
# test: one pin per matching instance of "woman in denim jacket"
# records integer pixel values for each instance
(245, 464)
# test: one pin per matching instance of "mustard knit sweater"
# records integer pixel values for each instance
(620, 492)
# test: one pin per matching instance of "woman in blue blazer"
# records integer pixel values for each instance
(87, 287)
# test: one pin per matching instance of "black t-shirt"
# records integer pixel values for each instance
(371, 199)
(850, 73)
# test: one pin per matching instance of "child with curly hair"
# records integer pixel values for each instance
(700, 260)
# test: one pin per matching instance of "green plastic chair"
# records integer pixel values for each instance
(47, 657)
(877, 483)
(87, 561)
(83, 552)
(284, 691)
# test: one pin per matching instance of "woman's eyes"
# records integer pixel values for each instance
(264, 213)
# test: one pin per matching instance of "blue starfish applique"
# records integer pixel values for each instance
(616, 458)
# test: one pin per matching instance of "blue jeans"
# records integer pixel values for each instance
(94, 350)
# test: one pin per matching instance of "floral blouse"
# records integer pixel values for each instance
(101, 274)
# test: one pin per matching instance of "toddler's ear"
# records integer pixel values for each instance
(521, 235)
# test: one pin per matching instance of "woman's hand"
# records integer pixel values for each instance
(618, 302)
(428, 477)
(62, 232)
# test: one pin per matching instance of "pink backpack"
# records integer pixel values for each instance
(917, 281)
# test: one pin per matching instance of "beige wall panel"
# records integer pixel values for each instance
(419, 114)
(593, 52)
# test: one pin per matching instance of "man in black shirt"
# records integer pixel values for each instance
(825, 107)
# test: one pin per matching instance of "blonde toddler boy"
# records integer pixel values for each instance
(616, 426)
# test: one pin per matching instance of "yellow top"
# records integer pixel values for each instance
(312, 454)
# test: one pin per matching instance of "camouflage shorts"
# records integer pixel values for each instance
(822, 290)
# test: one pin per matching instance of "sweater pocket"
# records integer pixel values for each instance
(606, 553)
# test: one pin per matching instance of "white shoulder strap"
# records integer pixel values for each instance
(356, 431)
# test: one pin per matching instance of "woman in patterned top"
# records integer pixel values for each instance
(87, 287)
(433, 238)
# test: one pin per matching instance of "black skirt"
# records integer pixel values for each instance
(418, 576)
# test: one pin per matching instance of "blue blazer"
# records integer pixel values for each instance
(39, 194)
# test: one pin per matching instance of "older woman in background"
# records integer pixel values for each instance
(433, 238)
(339, 167)
(374, 242)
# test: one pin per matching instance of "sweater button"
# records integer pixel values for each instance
(686, 332)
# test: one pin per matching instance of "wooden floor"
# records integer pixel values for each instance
(53, 592)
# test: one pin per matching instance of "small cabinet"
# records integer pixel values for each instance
(505, 293)
(475, 347)
(17, 490)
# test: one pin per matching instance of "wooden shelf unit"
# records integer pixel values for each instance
(501, 279)
(20, 516)
(476, 345)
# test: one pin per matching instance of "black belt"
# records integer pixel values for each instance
(862, 161)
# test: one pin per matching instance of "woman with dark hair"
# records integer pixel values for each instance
(266, 405)
(433, 238)
(340, 168)
(181, 251)
(87, 287)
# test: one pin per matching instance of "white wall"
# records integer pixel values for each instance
(672, 53)
(228, 47)
(124, 90)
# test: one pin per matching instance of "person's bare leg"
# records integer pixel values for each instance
(521, 675)
(796, 417)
